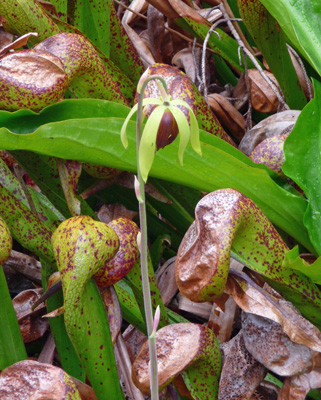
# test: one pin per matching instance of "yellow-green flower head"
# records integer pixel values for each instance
(166, 121)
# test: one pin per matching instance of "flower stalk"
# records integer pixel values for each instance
(143, 248)
(166, 120)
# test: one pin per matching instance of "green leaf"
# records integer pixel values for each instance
(175, 212)
(27, 121)
(135, 281)
(92, 18)
(157, 249)
(302, 151)
(43, 171)
(100, 23)
(300, 21)
(12, 348)
(97, 140)
(23, 16)
(293, 260)
(122, 51)
(61, 8)
(68, 356)
(24, 226)
(271, 41)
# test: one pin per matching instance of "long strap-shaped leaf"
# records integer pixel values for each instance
(97, 141)
(12, 348)
(300, 20)
(302, 152)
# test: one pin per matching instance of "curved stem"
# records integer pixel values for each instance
(143, 246)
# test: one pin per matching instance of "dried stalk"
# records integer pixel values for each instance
(306, 78)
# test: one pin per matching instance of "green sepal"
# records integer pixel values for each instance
(147, 147)
(183, 131)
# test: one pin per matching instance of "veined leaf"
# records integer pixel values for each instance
(271, 41)
(12, 348)
(293, 260)
(302, 151)
(221, 166)
(23, 16)
(92, 18)
(300, 20)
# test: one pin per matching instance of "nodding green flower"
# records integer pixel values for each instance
(165, 122)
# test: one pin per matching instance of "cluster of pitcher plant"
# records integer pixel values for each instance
(220, 204)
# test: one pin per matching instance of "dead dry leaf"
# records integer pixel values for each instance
(183, 59)
(210, 15)
(32, 325)
(184, 9)
(25, 265)
(240, 94)
(241, 373)
(124, 367)
(227, 114)
(165, 8)
(156, 32)
(304, 80)
(221, 322)
(202, 310)
(5, 38)
(165, 278)
(263, 98)
(108, 212)
(134, 340)
(20, 42)
(270, 346)
(128, 20)
(267, 303)
(297, 387)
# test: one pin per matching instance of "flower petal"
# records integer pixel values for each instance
(195, 141)
(123, 136)
(195, 133)
(183, 131)
(147, 145)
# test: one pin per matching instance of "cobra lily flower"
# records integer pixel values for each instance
(165, 122)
